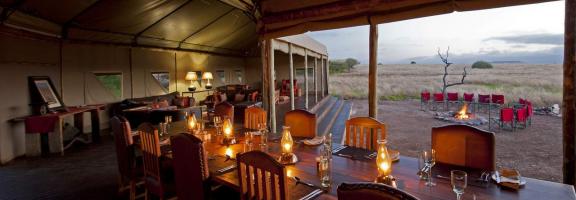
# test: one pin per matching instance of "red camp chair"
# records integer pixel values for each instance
(424, 99)
(507, 117)
(452, 98)
(529, 112)
(498, 100)
(483, 101)
(521, 117)
(438, 99)
(469, 99)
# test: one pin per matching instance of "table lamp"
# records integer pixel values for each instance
(384, 164)
(208, 76)
(191, 76)
(287, 144)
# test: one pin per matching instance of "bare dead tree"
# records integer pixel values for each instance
(446, 66)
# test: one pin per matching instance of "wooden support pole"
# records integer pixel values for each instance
(327, 74)
(315, 75)
(272, 86)
(569, 96)
(322, 77)
(265, 81)
(291, 63)
(373, 72)
(306, 78)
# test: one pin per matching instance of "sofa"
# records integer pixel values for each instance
(240, 96)
(154, 109)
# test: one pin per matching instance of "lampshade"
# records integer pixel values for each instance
(207, 76)
(191, 76)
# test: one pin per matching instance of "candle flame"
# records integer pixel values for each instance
(289, 173)
(229, 152)
(287, 147)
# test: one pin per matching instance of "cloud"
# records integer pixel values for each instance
(548, 39)
(552, 55)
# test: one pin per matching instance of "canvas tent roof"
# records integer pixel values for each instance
(202, 25)
(216, 26)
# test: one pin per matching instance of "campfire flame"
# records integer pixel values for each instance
(463, 113)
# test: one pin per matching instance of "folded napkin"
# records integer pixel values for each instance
(314, 141)
(509, 178)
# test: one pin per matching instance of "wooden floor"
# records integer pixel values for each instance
(90, 171)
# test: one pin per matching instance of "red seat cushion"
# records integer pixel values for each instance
(452, 96)
(425, 96)
(506, 115)
(438, 97)
(468, 97)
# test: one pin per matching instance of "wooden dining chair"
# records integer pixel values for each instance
(154, 179)
(225, 110)
(465, 146)
(373, 191)
(364, 132)
(130, 171)
(253, 116)
(301, 122)
(190, 167)
(261, 176)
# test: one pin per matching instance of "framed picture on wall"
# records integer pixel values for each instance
(221, 76)
(42, 92)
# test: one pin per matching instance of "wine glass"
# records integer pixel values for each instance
(459, 180)
(263, 128)
(429, 158)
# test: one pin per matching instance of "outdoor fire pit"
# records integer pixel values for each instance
(461, 117)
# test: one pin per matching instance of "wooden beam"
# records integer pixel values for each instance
(569, 95)
(272, 86)
(373, 72)
(291, 63)
(306, 78)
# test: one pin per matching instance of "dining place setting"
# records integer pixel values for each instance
(256, 163)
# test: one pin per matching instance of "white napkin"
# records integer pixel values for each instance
(314, 141)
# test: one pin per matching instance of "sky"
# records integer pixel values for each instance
(529, 34)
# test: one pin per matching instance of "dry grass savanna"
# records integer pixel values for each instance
(541, 83)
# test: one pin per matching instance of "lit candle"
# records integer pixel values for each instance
(229, 152)
(384, 164)
(191, 122)
(286, 140)
(289, 173)
(227, 126)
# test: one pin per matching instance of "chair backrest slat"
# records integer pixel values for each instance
(150, 145)
(261, 176)
(364, 132)
(253, 116)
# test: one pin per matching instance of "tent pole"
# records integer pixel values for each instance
(265, 81)
(306, 78)
(373, 72)
(272, 86)
(291, 63)
(315, 74)
(569, 94)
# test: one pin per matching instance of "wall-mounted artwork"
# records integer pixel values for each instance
(42, 91)
(221, 76)
(239, 75)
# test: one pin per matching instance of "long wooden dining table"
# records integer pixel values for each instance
(350, 170)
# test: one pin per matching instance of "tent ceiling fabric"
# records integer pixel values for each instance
(216, 26)
(204, 25)
(290, 17)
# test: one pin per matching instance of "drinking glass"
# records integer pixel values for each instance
(324, 169)
(459, 180)
(422, 169)
(429, 158)
(263, 128)
(248, 139)
(217, 121)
